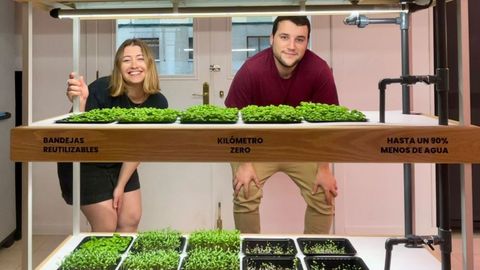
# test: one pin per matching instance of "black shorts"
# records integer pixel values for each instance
(97, 181)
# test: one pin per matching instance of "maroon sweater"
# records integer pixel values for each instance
(258, 82)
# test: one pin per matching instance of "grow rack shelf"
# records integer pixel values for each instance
(370, 249)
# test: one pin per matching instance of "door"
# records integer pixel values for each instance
(182, 195)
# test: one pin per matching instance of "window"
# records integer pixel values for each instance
(256, 44)
(249, 36)
(171, 41)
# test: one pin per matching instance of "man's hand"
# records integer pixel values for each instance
(327, 181)
(245, 173)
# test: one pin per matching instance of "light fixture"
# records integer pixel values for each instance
(225, 11)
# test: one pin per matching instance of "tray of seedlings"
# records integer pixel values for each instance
(95, 116)
(269, 247)
(272, 114)
(319, 112)
(212, 249)
(326, 246)
(159, 249)
(148, 115)
(334, 263)
(209, 114)
(271, 263)
(97, 252)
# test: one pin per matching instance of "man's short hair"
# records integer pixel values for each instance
(297, 20)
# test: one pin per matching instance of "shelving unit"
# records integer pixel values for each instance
(405, 138)
(370, 249)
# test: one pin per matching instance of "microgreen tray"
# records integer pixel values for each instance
(326, 246)
(65, 121)
(269, 247)
(264, 262)
(183, 240)
(319, 262)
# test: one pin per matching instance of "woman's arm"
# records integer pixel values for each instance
(125, 173)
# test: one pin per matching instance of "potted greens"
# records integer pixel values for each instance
(335, 263)
(159, 259)
(165, 239)
(269, 247)
(326, 246)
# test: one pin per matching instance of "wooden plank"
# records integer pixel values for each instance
(377, 143)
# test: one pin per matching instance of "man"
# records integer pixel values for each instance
(285, 73)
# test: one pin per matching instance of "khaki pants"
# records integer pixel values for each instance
(318, 215)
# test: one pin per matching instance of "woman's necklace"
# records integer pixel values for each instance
(137, 102)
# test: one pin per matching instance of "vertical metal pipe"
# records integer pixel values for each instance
(76, 109)
(405, 42)
(27, 182)
(443, 200)
(464, 91)
(408, 176)
(382, 106)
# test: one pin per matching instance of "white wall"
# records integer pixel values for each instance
(359, 58)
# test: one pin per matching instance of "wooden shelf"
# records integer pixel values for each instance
(404, 138)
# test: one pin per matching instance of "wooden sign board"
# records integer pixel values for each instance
(155, 143)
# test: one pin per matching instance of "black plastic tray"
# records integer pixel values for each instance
(340, 242)
(333, 262)
(271, 122)
(146, 122)
(64, 121)
(334, 121)
(183, 240)
(207, 122)
(255, 262)
(88, 238)
(287, 246)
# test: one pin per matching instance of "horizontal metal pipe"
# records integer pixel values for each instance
(230, 11)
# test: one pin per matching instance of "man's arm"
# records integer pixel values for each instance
(326, 91)
(239, 94)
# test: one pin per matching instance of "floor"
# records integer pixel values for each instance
(43, 245)
(457, 252)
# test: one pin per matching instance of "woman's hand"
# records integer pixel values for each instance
(77, 87)
(118, 197)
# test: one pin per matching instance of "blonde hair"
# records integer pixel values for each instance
(151, 83)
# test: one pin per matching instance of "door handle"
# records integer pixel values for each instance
(205, 94)
(5, 115)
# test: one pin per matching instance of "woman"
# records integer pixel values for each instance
(110, 192)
